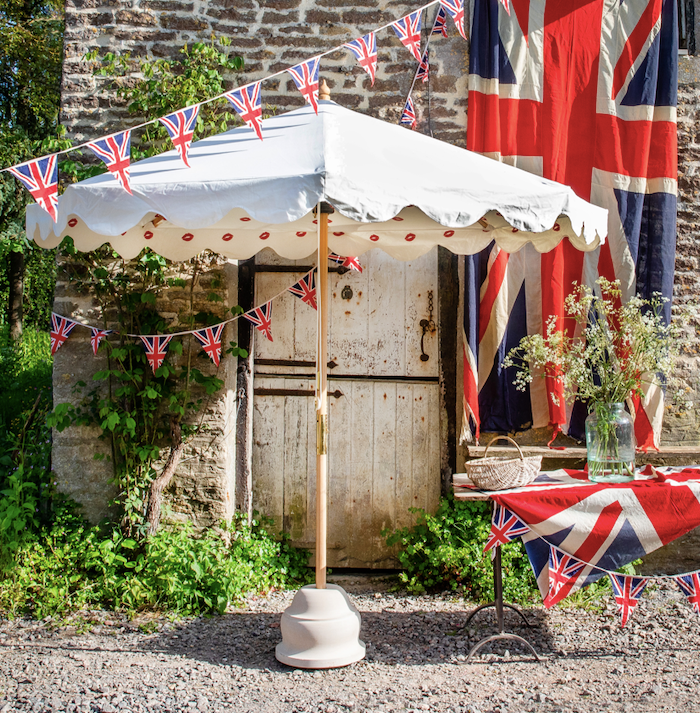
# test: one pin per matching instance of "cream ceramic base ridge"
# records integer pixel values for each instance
(320, 629)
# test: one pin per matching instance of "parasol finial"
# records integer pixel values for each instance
(324, 92)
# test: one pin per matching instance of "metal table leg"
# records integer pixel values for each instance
(499, 606)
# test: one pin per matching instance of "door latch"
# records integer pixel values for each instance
(427, 325)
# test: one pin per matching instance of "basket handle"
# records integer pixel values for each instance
(507, 438)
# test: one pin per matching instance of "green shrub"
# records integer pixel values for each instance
(445, 551)
(73, 565)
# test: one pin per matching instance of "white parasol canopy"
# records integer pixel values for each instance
(392, 188)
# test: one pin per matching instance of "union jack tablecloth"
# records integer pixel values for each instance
(603, 525)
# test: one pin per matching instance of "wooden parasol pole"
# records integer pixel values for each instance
(322, 397)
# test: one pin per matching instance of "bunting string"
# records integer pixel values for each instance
(39, 175)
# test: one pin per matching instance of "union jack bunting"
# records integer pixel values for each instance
(440, 24)
(690, 586)
(407, 29)
(40, 178)
(156, 349)
(408, 116)
(365, 50)
(96, 338)
(305, 289)
(424, 66)
(604, 525)
(261, 317)
(305, 76)
(585, 96)
(456, 10)
(61, 327)
(504, 527)
(628, 591)
(563, 571)
(248, 103)
(114, 151)
(210, 339)
(180, 125)
(351, 262)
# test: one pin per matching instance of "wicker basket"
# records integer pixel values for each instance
(500, 473)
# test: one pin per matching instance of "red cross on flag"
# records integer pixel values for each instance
(407, 29)
(247, 102)
(365, 49)
(180, 126)
(305, 289)
(690, 586)
(456, 10)
(61, 327)
(115, 152)
(563, 573)
(40, 178)
(96, 338)
(156, 348)
(210, 339)
(628, 591)
(305, 76)
(261, 317)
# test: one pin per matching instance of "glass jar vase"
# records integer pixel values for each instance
(610, 444)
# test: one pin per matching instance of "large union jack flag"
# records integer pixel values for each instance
(96, 337)
(408, 115)
(61, 327)
(180, 126)
(305, 289)
(115, 152)
(261, 317)
(156, 348)
(248, 103)
(305, 76)
(365, 50)
(582, 92)
(603, 525)
(690, 586)
(627, 591)
(40, 178)
(456, 10)
(407, 29)
(504, 527)
(210, 339)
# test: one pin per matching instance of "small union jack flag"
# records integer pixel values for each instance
(261, 317)
(210, 339)
(505, 526)
(305, 289)
(456, 10)
(365, 49)
(628, 591)
(97, 336)
(180, 125)
(563, 570)
(305, 76)
(353, 263)
(156, 349)
(114, 151)
(407, 29)
(690, 586)
(440, 24)
(40, 178)
(408, 115)
(424, 66)
(247, 102)
(61, 327)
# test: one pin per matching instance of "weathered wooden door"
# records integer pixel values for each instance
(384, 420)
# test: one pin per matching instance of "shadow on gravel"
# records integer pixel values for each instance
(409, 638)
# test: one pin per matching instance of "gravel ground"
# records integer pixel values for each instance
(415, 660)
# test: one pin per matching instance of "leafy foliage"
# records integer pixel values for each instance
(445, 551)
